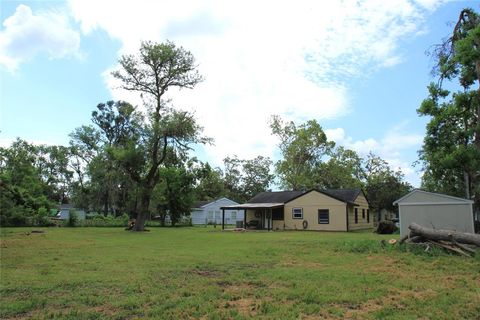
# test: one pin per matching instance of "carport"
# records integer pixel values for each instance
(264, 211)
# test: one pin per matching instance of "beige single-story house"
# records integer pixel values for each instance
(320, 210)
(436, 211)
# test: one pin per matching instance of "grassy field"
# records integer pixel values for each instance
(189, 273)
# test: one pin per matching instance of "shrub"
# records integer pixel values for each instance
(18, 219)
(72, 218)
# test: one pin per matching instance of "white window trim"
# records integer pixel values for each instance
(293, 213)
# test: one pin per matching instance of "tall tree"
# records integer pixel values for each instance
(174, 194)
(156, 69)
(95, 153)
(344, 169)
(302, 148)
(451, 148)
(383, 185)
(26, 185)
(209, 181)
(245, 178)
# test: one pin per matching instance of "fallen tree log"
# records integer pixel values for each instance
(449, 247)
(449, 235)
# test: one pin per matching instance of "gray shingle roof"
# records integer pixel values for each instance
(275, 197)
(200, 204)
(347, 195)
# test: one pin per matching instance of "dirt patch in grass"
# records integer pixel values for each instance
(235, 289)
(362, 309)
(299, 263)
(396, 298)
(244, 306)
(207, 273)
(107, 310)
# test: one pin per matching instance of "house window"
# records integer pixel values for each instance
(356, 215)
(368, 216)
(363, 213)
(297, 213)
(277, 214)
(233, 215)
(210, 215)
(323, 216)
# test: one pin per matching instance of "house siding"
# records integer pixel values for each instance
(211, 213)
(310, 203)
(362, 203)
(435, 211)
(456, 217)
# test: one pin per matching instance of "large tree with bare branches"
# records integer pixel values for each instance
(152, 72)
(451, 149)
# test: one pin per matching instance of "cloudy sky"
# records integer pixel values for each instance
(358, 67)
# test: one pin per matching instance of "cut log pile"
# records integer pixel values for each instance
(465, 244)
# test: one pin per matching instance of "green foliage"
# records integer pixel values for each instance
(72, 218)
(174, 195)
(451, 150)
(209, 181)
(344, 169)
(383, 185)
(302, 148)
(167, 132)
(27, 182)
(243, 179)
(99, 220)
(107, 152)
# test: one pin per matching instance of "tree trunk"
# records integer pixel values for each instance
(433, 234)
(142, 213)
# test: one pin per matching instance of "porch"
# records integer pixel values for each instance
(258, 216)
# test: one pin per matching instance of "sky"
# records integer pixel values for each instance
(359, 68)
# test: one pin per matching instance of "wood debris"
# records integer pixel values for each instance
(465, 244)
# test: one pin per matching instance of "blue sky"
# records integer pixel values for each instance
(359, 68)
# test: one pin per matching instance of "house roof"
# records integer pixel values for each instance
(260, 205)
(275, 196)
(346, 195)
(435, 198)
(200, 204)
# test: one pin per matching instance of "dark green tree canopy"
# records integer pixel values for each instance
(451, 148)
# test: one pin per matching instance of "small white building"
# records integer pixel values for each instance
(436, 211)
(64, 212)
(206, 212)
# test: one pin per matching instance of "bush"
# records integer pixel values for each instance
(18, 219)
(72, 218)
(99, 220)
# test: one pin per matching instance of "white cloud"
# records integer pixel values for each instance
(26, 34)
(390, 148)
(264, 57)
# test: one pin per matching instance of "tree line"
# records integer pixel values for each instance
(141, 163)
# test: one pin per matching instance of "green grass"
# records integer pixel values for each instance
(178, 273)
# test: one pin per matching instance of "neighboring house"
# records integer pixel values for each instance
(328, 210)
(205, 212)
(435, 210)
(64, 212)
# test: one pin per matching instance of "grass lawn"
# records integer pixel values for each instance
(179, 273)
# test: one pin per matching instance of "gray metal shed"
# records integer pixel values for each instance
(435, 210)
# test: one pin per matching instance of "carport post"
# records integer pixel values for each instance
(244, 218)
(223, 218)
